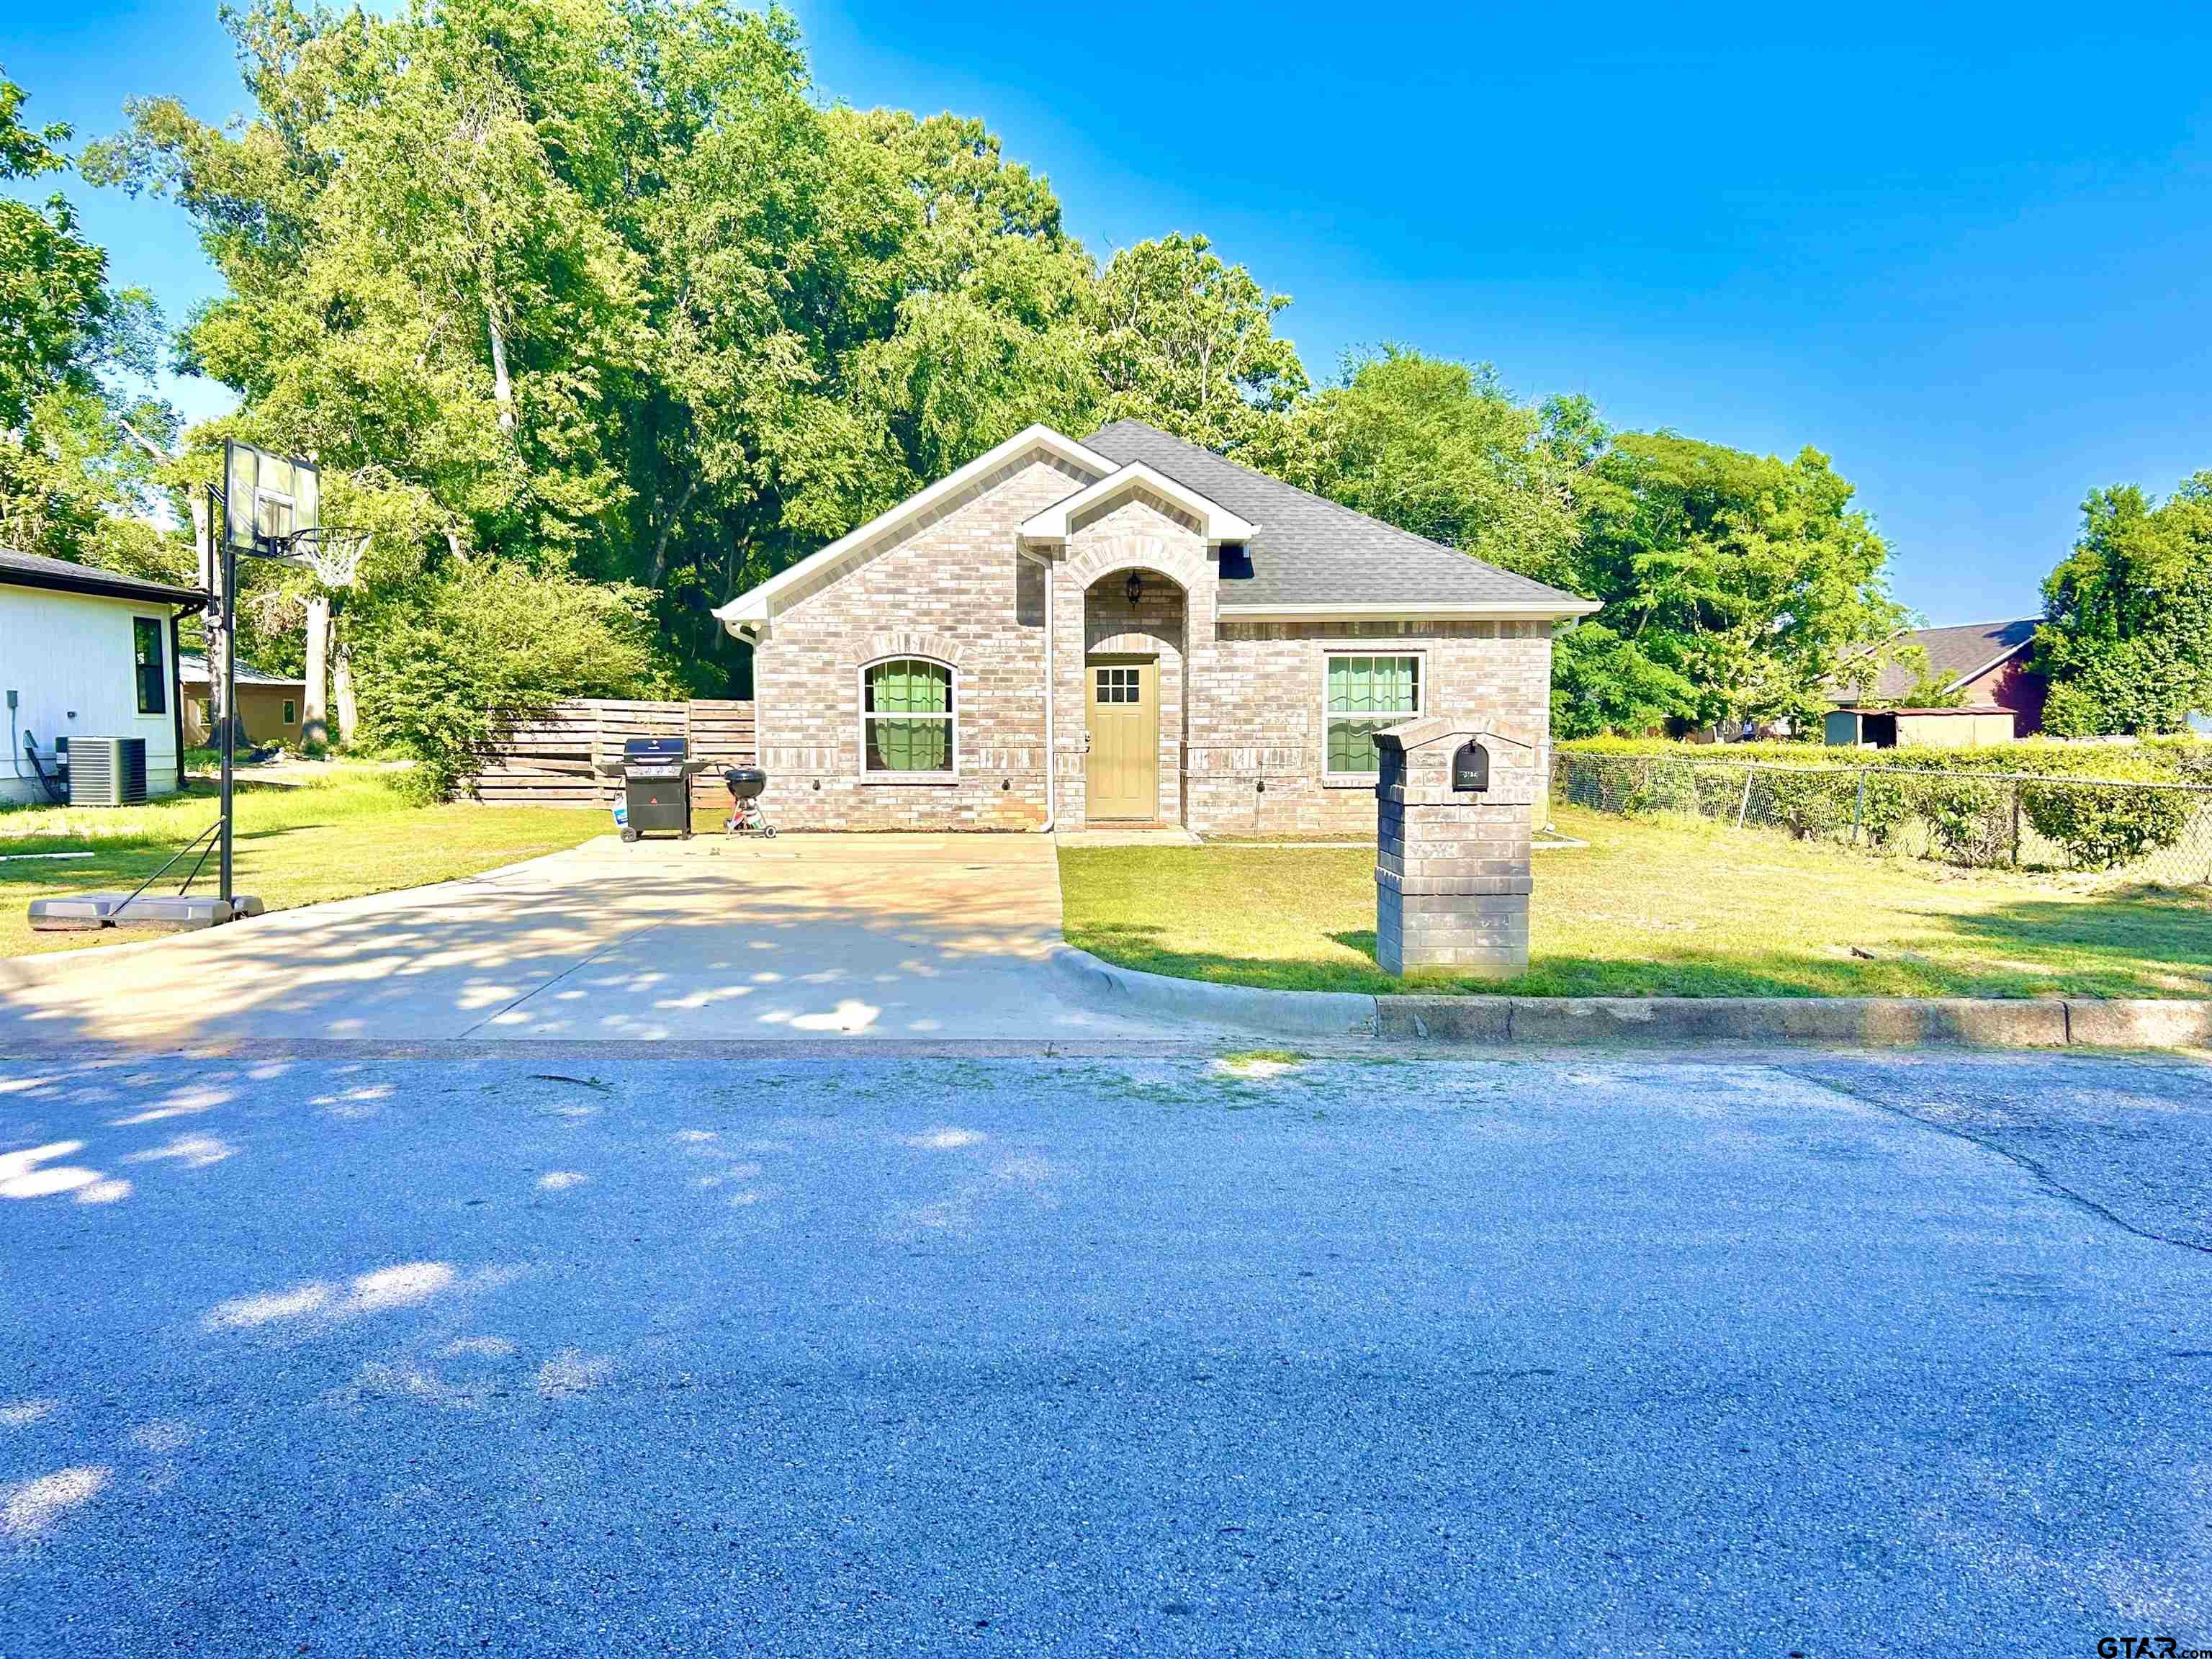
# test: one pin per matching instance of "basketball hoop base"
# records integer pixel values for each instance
(175, 913)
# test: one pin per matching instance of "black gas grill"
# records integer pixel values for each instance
(656, 775)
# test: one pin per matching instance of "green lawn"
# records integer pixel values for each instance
(1657, 908)
(295, 846)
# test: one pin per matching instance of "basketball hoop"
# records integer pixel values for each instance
(332, 552)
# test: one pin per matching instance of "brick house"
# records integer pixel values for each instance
(1125, 631)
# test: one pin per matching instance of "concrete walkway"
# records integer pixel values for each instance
(931, 936)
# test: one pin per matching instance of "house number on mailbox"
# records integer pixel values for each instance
(1470, 767)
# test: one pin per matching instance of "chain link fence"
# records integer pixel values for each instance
(2158, 833)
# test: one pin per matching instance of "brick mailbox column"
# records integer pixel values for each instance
(1455, 808)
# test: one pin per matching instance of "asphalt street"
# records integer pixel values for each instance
(361, 1349)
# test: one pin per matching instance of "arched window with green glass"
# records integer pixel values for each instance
(907, 722)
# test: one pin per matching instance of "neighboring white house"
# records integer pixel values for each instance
(87, 654)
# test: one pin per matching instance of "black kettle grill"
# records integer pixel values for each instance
(746, 817)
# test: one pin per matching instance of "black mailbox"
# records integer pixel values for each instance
(1470, 767)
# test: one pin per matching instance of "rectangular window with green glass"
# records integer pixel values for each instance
(149, 663)
(906, 717)
(1363, 695)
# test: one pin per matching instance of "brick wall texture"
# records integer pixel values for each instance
(1242, 724)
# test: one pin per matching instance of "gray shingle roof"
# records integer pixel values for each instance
(192, 667)
(1312, 551)
(36, 570)
(1954, 652)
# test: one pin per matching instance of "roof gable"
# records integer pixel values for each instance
(817, 569)
(1215, 522)
(1298, 554)
(1957, 656)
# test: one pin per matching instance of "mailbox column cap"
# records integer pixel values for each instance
(1442, 728)
(1414, 734)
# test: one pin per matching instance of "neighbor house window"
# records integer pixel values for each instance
(1366, 694)
(291, 712)
(906, 716)
(150, 665)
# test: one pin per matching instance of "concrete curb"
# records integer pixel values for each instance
(2141, 1023)
(1649, 1021)
(1837, 1021)
(1272, 1013)
(1844, 1022)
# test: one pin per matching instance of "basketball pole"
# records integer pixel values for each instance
(229, 557)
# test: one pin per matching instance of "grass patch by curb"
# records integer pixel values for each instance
(1655, 907)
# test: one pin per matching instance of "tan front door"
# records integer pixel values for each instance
(1122, 773)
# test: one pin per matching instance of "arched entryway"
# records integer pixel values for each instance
(1134, 689)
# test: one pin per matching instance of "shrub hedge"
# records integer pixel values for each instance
(1971, 816)
(2158, 760)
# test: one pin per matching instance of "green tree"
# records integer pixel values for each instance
(989, 334)
(54, 302)
(1442, 449)
(606, 286)
(1746, 579)
(1189, 344)
(84, 445)
(2126, 637)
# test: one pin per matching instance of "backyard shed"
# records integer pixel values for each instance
(1932, 728)
(269, 705)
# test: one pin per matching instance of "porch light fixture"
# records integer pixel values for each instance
(1134, 588)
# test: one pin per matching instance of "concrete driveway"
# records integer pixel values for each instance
(526, 1349)
(929, 937)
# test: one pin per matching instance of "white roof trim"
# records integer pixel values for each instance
(1997, 661)
(757, 604)
(1220, 524)
(1493, 611)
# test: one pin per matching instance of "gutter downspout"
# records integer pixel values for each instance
(1051, 773)
(750, 634)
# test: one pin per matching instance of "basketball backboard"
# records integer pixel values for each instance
(267, 498)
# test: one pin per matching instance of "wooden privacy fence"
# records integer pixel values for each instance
(550, 757)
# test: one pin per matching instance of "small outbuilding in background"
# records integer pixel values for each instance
(269, 705)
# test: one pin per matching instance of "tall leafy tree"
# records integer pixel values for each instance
(989, 332)
(2126, 637)
(1733, 586)
(83, 442)
(1442, 449)
(1187, 344)
(53, 283)
(607, 288)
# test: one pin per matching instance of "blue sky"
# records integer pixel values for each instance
(1964, 250)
